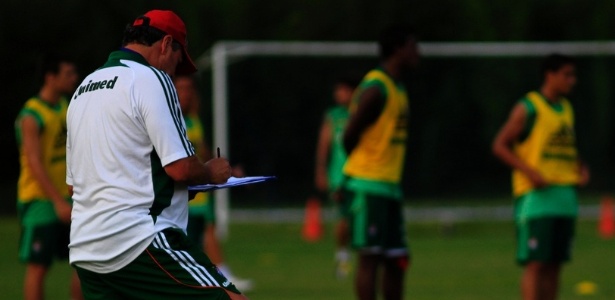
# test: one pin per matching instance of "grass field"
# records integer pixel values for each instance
(469, 261)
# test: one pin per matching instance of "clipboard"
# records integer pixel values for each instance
(232, 182)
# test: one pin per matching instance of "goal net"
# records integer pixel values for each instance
(268, 100)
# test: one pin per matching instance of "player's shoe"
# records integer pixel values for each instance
(242, 284)
(343, 268)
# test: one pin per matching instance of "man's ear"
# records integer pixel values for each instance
(165, 44)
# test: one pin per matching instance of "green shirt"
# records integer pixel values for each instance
(337, 118)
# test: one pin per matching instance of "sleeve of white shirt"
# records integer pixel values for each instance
(69, 175)
(156, 101)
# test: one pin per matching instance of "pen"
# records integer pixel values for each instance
(218, 150)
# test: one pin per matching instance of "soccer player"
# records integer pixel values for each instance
(538, 143)
(201, 212)
(129, 163)
(43, 200)
(375, 140)
(330, 159)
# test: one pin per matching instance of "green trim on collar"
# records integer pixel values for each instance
(116, 56)
(57, 107)
(556, 106)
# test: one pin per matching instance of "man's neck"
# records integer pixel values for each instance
(144, 51)
(550, 94)
(392, 68)
(49, 95)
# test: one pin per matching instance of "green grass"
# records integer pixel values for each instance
(468, 261)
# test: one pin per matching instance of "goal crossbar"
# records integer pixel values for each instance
(225, 52)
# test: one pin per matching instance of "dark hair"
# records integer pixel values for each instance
(50, 63)
(393, 37)
(144, 35)
(556, 61)
(350, 79)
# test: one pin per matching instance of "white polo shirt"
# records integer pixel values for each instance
(124, 125)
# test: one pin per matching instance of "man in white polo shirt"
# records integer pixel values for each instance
(129, 163)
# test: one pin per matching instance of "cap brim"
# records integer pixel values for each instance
(187, 66)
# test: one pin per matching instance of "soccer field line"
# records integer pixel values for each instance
(412, 215)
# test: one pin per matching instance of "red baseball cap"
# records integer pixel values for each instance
(168, 22)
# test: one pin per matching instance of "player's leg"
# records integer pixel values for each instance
(393, 277)
(214, 251)
(563, 232)
(213, 248)
(196, 225)
(342, 253)
(62, 239)
(36, 245)
(396, 253)
(531, 281)
(212, 245)
(540, 281)
(34, 281)
(536, 251)
(172, 267)
(342, 236)
(550, 284)
(367, 272)
(75, 287)
(370, 221)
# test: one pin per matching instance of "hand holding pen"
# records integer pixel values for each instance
(219, 169)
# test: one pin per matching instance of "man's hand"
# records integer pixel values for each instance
(584, 174)
(219, 170)
(63, 210)
(322, 182)
(238, 171)
(536, 178)
(338, 195)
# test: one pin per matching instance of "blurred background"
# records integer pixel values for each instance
(276, 103)
(455, 188)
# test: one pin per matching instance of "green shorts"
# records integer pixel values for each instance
(40, 244)
(200, 216)
(42, 236)
(170, 268)
(546, 239)
(377, 225)
(342, 205)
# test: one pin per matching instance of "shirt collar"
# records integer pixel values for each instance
(128, 54)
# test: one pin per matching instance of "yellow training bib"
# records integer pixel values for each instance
(52, 128)
(379, 155)
(550, 146)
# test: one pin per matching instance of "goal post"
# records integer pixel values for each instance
(224, 53)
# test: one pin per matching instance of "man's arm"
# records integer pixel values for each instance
(503, 143)
(32, 149)
(191, 171)
(584, 173)
(322, 155)
(166, 131)
(371, 103)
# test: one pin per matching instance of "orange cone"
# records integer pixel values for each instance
(606, 224)
(312, 226)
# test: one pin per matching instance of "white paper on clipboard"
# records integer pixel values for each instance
(232, 182)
